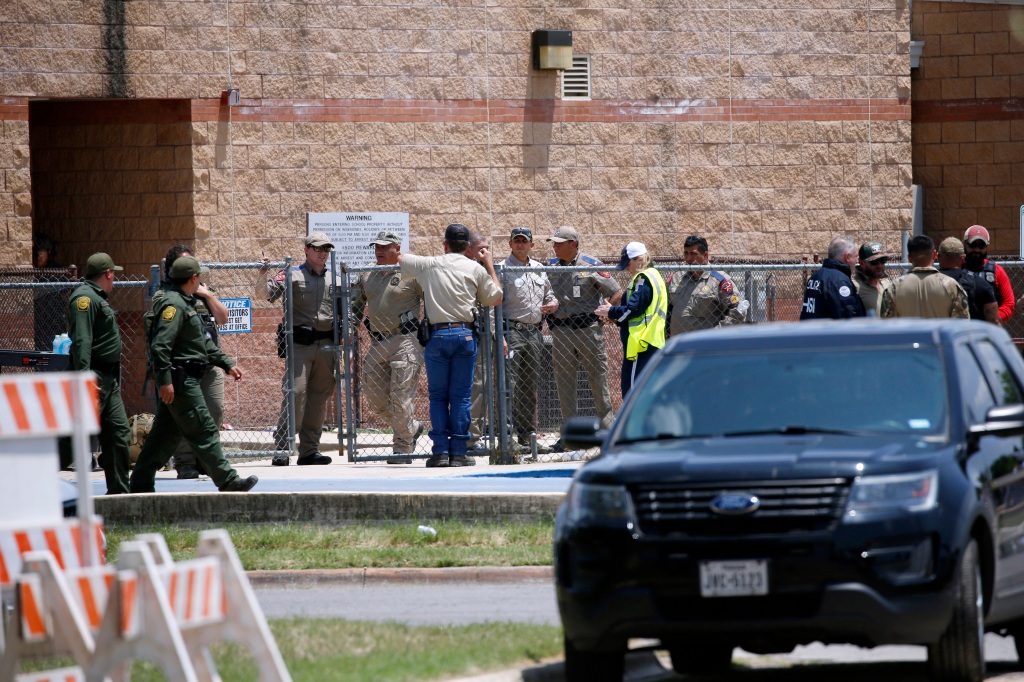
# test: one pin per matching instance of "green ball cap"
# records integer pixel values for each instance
(186, 266)
(99, 263)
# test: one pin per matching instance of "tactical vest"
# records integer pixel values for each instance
(648, 330)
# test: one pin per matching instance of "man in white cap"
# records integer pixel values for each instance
(976, 241)
(313, 315)
(577, 337)
(702, 299)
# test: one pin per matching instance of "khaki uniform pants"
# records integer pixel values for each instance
(524, 367)
(391, 373)
(186, 417)
(315, 373)
(478, 401)
(212, 386)
(571, 348)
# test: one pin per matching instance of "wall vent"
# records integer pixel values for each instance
(576, 81)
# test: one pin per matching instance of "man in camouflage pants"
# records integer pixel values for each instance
(576, 335)
(391, 368)
(702, 299)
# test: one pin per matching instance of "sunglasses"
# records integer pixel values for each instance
(976, 244)
(879, 261)
(320, 249)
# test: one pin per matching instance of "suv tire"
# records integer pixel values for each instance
(959, 655)
(701, 659)
(593, 666)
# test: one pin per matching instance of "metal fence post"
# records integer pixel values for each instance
(503, 392)
(345, 296)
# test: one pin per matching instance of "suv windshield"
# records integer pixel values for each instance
(882, 389)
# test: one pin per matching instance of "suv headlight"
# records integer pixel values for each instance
(915, 492)
(606, 505)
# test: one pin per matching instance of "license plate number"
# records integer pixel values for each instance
(748, 578)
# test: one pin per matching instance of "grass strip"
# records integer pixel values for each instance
(364, 545)
(329, 650)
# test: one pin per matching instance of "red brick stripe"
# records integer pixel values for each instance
(940, 111)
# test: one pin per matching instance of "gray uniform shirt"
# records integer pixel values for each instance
(579, 293)
(311, 293)
(525, 292)
(385, 295)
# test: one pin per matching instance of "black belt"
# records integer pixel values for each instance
(105, 367)
(516, 324)
(381, 336)
(450, 325)
(193, 368)
(573, 321)
(320, 336)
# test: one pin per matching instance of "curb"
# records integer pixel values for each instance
(383, 576)
(322, 507)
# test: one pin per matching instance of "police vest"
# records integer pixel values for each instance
(648, 330)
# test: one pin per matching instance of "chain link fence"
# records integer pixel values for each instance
(517, 413)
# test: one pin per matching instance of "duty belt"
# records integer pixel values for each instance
(524, 326)
(450, 325)
(105, 367)
(573, 321)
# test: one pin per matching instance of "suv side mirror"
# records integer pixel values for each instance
(579, 433)
(1004, 420)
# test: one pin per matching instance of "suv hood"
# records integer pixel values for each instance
(763, 457)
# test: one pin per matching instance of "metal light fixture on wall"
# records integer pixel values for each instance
(552, 49)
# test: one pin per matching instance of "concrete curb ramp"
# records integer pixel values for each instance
(322, 507)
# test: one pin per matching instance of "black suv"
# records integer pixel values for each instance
(772, 485)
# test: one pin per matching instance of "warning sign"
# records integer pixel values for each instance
(239, 316)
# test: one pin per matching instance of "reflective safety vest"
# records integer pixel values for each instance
(648, 330)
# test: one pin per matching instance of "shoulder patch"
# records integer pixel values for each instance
(590, 260)
(553, 261)
(717, 275)
(726, 286)
(168, 314)
(82, 303)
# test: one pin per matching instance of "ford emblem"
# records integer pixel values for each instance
(735, 504)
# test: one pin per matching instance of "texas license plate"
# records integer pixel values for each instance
(743, 578)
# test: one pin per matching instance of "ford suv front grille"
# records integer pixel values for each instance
(783, 507)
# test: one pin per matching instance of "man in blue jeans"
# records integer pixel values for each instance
(452, 286)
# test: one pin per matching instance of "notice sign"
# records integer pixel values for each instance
(351, 233)
(239, 316)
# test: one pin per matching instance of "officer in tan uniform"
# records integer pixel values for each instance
(313, 315)
(924, 291)
(577, 336)
(391, 368)
(869, 277)
(702, 299)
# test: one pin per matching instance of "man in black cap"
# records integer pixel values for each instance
(313, 316)
(452, 287)
(181, 354)
(96, 345)
(869, 277)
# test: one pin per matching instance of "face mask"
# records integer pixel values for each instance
(974, 260)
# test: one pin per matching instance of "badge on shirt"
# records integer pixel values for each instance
(169, 313)
(576, 292)
(396, 280)
(844, 291)
(726, 286)
(82, 303)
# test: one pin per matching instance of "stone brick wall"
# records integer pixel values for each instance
(767, 126)
(968, 130)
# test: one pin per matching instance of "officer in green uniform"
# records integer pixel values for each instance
(96, 345)
(212, 312)
(181, 353)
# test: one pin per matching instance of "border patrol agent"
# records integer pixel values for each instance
(642, 319)
(924, 291)
(702, 299)
(212, 312)
(96, 345)
(313, 316)
(576, 334)
(528, 297)
(181, 354)
(391, 368)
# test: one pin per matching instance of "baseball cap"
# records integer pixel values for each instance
(522, 232)
(316, 239)
(629, 252)
(456, 232)
(186, 266)
(951, 246)
(384, 238)
(99, 263)
(976, 232)
(565, 234)
(870, 251)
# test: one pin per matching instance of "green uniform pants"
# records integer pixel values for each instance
(315, 372)
(571, 348)
(391, 373)
(212, 386)
(186, 417)
(114, 434)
